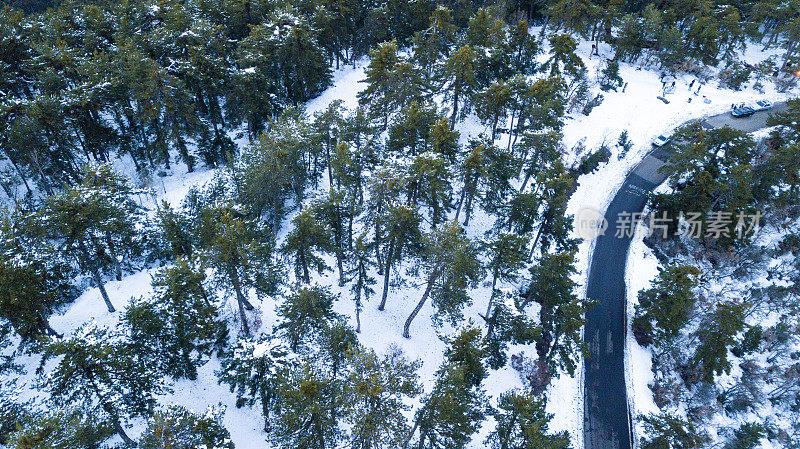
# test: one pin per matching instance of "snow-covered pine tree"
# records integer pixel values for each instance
(179, 322)
(108, 377)
(450, 266)
(307, 237)
(452, 412)
(240, 250)
(178, 428)
(94, 223)
(306, 314)
(523, 423)
(562, 312)
(251, 369)
(663, 309)
(362, 263)
(31, 286)
(68, 428)
(377, 389)
(311, 402)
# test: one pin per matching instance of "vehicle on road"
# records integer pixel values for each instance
(661, 140)
(743, 111)
(761, 105)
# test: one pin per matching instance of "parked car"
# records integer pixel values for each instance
(661, 140)
(743, 111)
(761, 105)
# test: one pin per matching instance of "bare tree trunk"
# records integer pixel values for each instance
(431, 280)
(121, 432)
(386, 273)
(489, 316)
(468, 208)
(113, 253)
(455, 107)
(358, 316)
(242, 302)
(96, 276)
(411, 434)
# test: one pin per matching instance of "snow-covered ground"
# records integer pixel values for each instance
(638, 360)
(636, 110)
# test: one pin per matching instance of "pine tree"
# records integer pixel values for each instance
(562, 312)
(524, 48)
(574, 15)
(540, 158)
(61, 429)
(443, 140)
(252, 370)
(180, 322)
(30, 287)
(453, 410)
(429, 181)
(522, 213)
(335, 342)
(362, 263)
(556, 186)
(278, 167)
(467, 350)
(459, 82)
(486, 30)
(178, 428)
(335, 215)
(611, 79)
(716, 337)
(307, 237)
(13, 414)
(377, 389)
(176, 231)
(667, 303)
(491, 105)
(241, 252)
(747, 436)
(255, 92)
(670, 432)
(289, 46)
(507, 254)
(328, 125)
(114, 380)
(487, 171)
(450, 265)
(306, 313)
(563, 60)
(390, 80)
(96, 223)
(710, 173)
(523, 423)
(434, 42)
(788, 121)
(311, 402)
(402, 237)
(409, 134)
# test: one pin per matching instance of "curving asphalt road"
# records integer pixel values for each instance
(607, 420)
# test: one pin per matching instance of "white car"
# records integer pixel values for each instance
(761, 105)
(661, 140)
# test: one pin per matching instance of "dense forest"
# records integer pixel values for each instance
(377, 198)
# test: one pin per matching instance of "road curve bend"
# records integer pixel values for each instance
(607, 419)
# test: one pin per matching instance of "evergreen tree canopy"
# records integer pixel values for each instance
(180, 322)
(178, 428)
